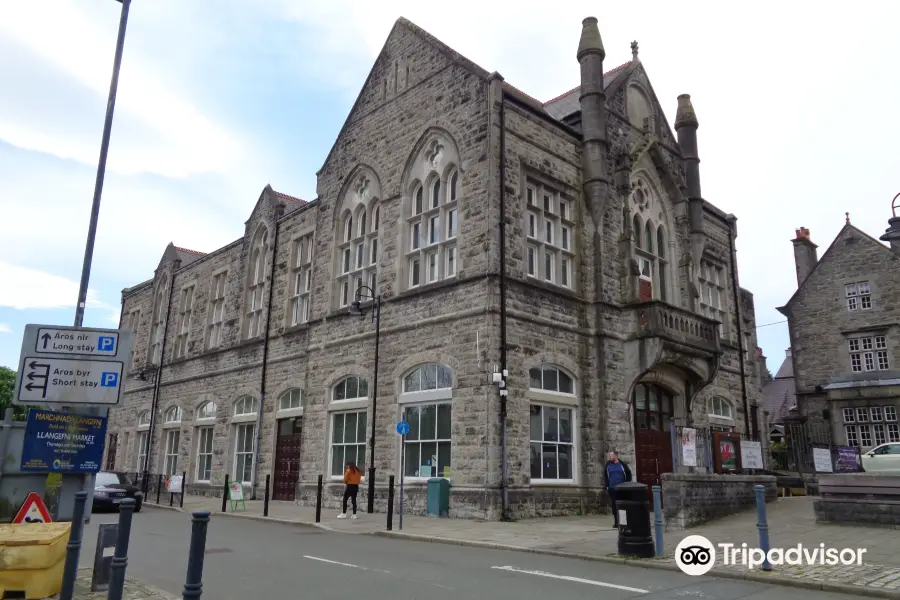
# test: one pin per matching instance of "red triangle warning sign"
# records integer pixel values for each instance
(33, 511)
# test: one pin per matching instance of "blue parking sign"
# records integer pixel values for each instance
(106, 343)
(110, 379)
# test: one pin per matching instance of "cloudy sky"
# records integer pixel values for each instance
(797, 103)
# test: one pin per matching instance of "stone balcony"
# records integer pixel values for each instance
(676, 325)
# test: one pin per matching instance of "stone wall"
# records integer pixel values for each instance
(859, 499)
(692, 499)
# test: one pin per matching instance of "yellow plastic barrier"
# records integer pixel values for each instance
(32, 557)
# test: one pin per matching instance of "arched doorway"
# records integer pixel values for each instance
(653, 414)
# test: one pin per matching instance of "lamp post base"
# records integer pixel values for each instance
(371, 495)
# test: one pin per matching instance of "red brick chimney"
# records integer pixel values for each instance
(805, 255)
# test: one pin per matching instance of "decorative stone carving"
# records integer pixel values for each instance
(434, 153)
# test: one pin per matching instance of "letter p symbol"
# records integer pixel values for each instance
(109, 379)
(106, 343)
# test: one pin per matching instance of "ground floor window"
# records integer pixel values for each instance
(552, 445)
(427, 447)
(142, 451)
(173, 439)
(348, 441)
(243, 452)
(204, 453)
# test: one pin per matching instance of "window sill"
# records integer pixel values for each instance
(421, 480)
(295, 328)
(556, 398)
(240, 419)
(354, 404)
(553, 482)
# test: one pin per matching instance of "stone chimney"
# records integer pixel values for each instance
(594, 144)
(892, 234)
(805, 255)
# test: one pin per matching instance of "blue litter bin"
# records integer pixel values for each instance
(438, 497)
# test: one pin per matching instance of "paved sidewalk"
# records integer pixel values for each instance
(791, 522)
(134, 590)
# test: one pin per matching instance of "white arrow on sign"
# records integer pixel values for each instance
(69, 381)
(84, 342)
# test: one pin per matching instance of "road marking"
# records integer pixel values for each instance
(575, 579)
(343, 564)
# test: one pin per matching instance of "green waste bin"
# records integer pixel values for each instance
(438, 497)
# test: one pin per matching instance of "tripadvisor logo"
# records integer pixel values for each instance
(696, 555)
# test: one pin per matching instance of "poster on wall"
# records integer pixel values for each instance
(727, 449)
(847, 460)
(751, 455)
(689, 447)
(822, 460)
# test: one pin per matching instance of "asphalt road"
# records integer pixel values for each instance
(250, 559)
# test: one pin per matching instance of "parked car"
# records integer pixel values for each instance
(111, 488)
(882, 459)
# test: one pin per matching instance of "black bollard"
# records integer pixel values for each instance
(120, 558)
(158, 487)
(225, 494)
(266, 499)
(193, 584)
(390, 511)
(73, 548)
(183, 486)
(319, 500)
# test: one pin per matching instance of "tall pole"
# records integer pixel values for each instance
(101, 168)
(371, 498)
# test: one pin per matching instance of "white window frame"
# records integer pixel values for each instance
(849, 415)
(141, 440)
(290, 404)
(541, 480)
(361, 384)
(713, 294)
(159, 321)
(544, 226)
(852, 435)
(215, 334)
(133, 321)
(242, 455)
(893, 432)
(204, 453)
(436, 470)
(432, 230)
(719, 406)
(859, 296)
(301, 280)
(868, 353)
(890, 414)
(256, 283)
(185, 311)
(413, 395)
(172, 448)
(358, 442)
(173, 414)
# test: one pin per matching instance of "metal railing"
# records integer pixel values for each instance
(154, 486)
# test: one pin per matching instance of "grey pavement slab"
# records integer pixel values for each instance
(275, 561)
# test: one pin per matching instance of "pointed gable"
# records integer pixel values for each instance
(850, 248)
(409, 55)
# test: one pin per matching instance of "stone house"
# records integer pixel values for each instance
(844, 323)
(549, 284)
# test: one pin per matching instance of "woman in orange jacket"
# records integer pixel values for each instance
(352, 477)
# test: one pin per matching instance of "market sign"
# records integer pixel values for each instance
(63, 442)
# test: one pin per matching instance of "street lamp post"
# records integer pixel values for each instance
(376, 316)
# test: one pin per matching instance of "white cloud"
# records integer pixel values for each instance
(25, 289)
(168, 135)
(4, 328)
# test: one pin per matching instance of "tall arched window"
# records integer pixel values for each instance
(244, 418)
(553, 407)
(143, 433)
(350, 388)
(205, 420)
(431, 216)
(256, 280)
(357, 252)
(427, 394)
(291, 400)
(348, 427)
(550, 244)
(649, 240)
(159, 322)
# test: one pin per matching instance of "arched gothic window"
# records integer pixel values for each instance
(159, 322)
(649, 239)
(550, 245)
(207, 411)
(431, 216)
(357, 253)
(173, 415)
(247, 405)
(256, 282)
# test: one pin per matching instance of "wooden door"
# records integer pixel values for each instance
(111, 451)
(653, 408)
(287, 458)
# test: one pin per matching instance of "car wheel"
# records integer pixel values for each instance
(137, 506)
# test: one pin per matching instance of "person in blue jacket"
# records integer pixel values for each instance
(614, 473)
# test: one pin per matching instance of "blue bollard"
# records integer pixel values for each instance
(193, 585)
(657, 521)
(762, 524)
(73, 548)
(120, 558)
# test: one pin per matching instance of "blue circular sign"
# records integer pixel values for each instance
(402, 427)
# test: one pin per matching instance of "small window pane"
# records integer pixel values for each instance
(338, 429)
(550, 379)
(445, 378)
(361, 427)
(565, 425)
(352, 387)
(536, 423)
(412, 460)
(350, 428)
(566, 385)
(535, 460)
(412, 417)
(550, 471)
(429, 377)
(340, 390)
(565, 462)
(363, 388)
(429, 422)
(551, 424)
(444, 422)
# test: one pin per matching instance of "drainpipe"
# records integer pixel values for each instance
(504, 464)
(740, 329)
(257, 439)
(162, 353)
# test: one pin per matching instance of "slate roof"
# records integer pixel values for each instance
(188, 256)
(779, 395)
(568, 103)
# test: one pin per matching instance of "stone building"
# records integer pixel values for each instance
(564, 244)
(845, 338)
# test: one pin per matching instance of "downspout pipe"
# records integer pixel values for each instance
(257, 438)
(162, 354)
(740, 328)
(504, 462)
